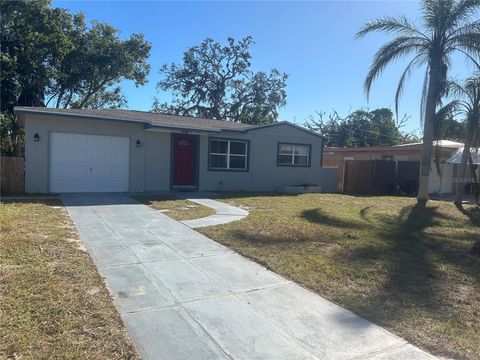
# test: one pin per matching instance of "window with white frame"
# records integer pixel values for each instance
(228, 154)
(293, 154)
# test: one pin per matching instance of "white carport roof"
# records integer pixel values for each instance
(456, 157)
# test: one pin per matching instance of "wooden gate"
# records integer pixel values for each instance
(408, 173)
(358, 176)
(369, 177)
(12, 175)
(383, 177)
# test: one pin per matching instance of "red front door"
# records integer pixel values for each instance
(184, 157)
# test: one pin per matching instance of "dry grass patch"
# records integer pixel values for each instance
(177, 209)
(405, 268)
(54, 303)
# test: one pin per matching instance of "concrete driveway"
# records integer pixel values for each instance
(184, 296)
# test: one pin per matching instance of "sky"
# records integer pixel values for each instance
(313, 42)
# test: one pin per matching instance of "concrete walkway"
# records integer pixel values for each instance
(224, 213)
(184, 296)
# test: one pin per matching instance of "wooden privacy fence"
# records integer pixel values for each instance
(12, 175)
(408, 173)
(380, 177)
(358, 176)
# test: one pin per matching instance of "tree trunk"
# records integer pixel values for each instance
(428, 133)
(461, 172)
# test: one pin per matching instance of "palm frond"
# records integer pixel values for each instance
(469, 57)
(472, 86)
(436, 13)
(473, 27)
(470, 42)
(447, 110)
(455, 89)
(462, 10)
(393, 25)
(415, 62)
(395, 49)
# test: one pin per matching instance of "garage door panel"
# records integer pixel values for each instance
(80, 157)
(88, 163)
(100, 171)
(79, 170)
(70, 171)
(119, 173)
(99, 157)
(67, 156)
(118, 157)
(61, 141)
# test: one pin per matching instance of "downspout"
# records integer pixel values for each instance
(321, 153)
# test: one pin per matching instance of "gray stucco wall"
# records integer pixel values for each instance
(149, 165)
(157, 161)
(37, 153)
(264, 174)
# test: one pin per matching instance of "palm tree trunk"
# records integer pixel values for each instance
(461, 172)
(428, 133)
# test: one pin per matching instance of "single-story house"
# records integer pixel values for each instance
(443, 181)
(133, 151)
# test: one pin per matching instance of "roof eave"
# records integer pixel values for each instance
(92, 117)
(289, 124)
(151, 127)
(146, 124)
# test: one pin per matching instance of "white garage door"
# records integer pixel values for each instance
(88, 163)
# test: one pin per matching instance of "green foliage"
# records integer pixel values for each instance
(468, 106)
(50, 57)
(34, 37)
(11, 135)
(448, 27)
(215, 81)
(98, 60)
(360, 128)
(451, 129)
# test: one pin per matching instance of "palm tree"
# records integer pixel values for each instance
(446, 29)
(469, 105)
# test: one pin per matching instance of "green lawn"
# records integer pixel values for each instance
(176, 208)
(405, 268)
(54, 305)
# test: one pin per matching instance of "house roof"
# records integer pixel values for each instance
(456, 157)
(446, 144)
(155, 120)
(440, 143)
(143, 117)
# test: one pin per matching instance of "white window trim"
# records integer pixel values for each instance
(292, 155)
(228, 154)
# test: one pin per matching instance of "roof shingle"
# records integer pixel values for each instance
(148, 118)
(166, 121)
